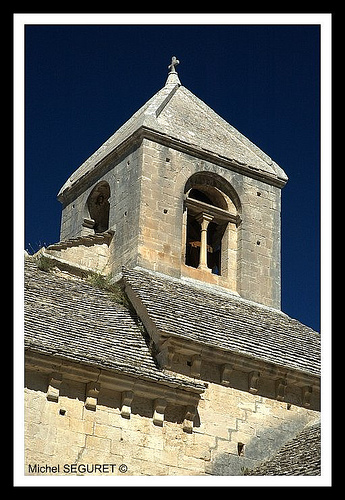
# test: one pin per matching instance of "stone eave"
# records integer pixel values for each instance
(168, 344)
(236, 360)
(96, 379)
(173, 391)
(95, 169)
(254, 373)
(72, 188)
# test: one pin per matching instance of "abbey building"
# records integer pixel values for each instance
(154, 335)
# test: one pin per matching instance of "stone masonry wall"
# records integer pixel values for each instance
(95, 257)
(147, 215)
(161, 243)
(123, 176)
(233, 431)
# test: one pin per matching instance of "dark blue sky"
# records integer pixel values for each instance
(84, 81)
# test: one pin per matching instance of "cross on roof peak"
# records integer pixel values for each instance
(174, 62)
(173, 78)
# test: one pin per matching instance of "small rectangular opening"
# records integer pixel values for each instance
(240, 449)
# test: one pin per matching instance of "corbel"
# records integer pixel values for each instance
(108, 236)
(187, 424)
(126, 403)
(281, 385)
(195, 368)
(165, 356)
(159, 406)
(225, 374)
(253, 381)
(92, 391)
(53, 390)
(306, 395)
(88, 222)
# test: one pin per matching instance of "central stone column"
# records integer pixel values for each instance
(204, 220)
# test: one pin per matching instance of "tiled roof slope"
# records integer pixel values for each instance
(220, 319)
(299, 457)
(71, 319)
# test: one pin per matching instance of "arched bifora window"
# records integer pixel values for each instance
(98, 207)
(210, 223)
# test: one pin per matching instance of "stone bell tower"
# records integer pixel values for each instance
(179, 191)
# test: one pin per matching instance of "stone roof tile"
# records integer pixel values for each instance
(69, 318)
(301, 456)
(220, 319)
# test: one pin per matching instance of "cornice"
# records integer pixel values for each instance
(254, 373)
(95, 379)
(173, 392)
(174, 344)
(112, 379)
(96, 169)
(168, 345)
(207, 155)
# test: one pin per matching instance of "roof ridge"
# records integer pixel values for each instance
(167, 98)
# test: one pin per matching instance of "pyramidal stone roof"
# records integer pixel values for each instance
(175, 116)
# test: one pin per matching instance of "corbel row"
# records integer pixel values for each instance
(249, 368)
(254, 380)
(91, 401)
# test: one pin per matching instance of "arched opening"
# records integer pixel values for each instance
(196, 194)
(215, 229)
(210, 212)
(98, 207)
(216, 188)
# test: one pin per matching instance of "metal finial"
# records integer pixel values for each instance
(174, 62)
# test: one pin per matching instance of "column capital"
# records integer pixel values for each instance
(204, 217)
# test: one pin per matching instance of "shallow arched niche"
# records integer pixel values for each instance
(98, 206)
